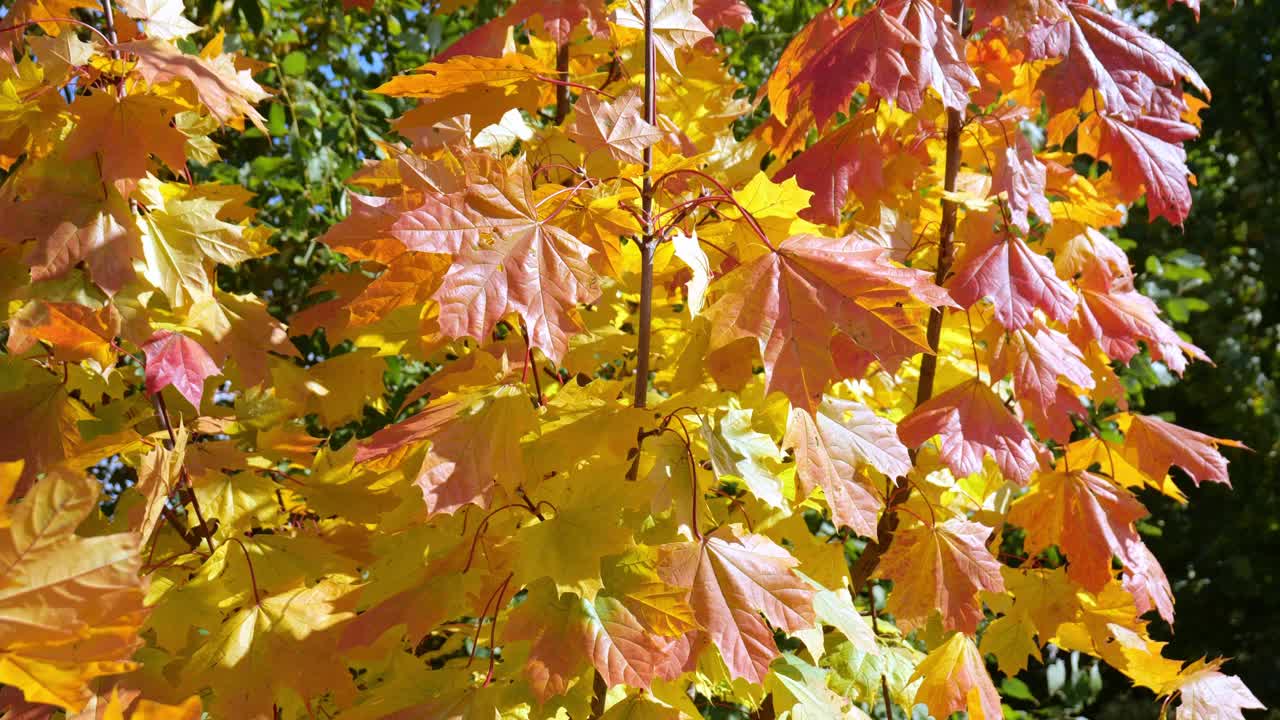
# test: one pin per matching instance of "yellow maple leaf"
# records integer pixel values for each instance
(954, 677)
(70, 606)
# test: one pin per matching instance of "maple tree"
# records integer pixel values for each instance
(678, 375)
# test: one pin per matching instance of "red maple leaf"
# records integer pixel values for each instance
(177, 360)
(899, 48)
(795, 298)
(1097, 53)
(973, 423)
(1000, 266)
(1039, 358)
(732, 581)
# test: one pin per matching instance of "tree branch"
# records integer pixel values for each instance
(646, 212)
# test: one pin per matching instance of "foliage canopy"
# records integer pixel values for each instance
(803, 403)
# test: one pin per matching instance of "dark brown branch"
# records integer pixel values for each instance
(646, 213)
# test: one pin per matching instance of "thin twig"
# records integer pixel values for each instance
(162, 413)
(72, 21)
(253, 578)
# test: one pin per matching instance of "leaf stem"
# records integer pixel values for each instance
(866, 564)
(884, 681)
(253, 578)
(72, 21)
(728, 197)
(109, 15)
(576, 86)
(646, 212)
(162, 413)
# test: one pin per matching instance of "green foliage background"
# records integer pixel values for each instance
(1218, 278)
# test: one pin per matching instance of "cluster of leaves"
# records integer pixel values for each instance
(1239, 326)
(801, 422)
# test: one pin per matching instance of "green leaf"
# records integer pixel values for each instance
(294, 64)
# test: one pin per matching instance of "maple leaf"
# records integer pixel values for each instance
(1039, 358)
(1098, 52)
(1036, 601)
(686, 248)
(484, 88)
(34, 11)
(835, 608)
(954, 678)
(739, 451)
(899, 48)
(631, 578)
(524, 265)
(239, 327)
(75, 331)
(60, 55)
(795, 298)
(716, 14)
(1154, 445)
(112, 128)
(144, 709)
(293, 626)
(641, 707)
(1020, 177)
(941, 567)
(43, 420)
(675, 25)
(70, 606)
(1012, 640)
(801, 690)
(162, 18)
(159, 472)
(74, 225)
(1147, 154)
(177, 360)
(474, 442)
(617, 127)
(1207, 694)
(849, 160)
(1145, 580)
(554, 625)
(622, 650)
(1002, 267)
(1018, 16)
(179, 237)
(831, 446)
(812, 40)
(1119, 318)
(1089, 518)
(559, 19)
(410, 279)
(732, 580)
(227, 92)
(436, 222)
(973, 423)
(553, 547)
